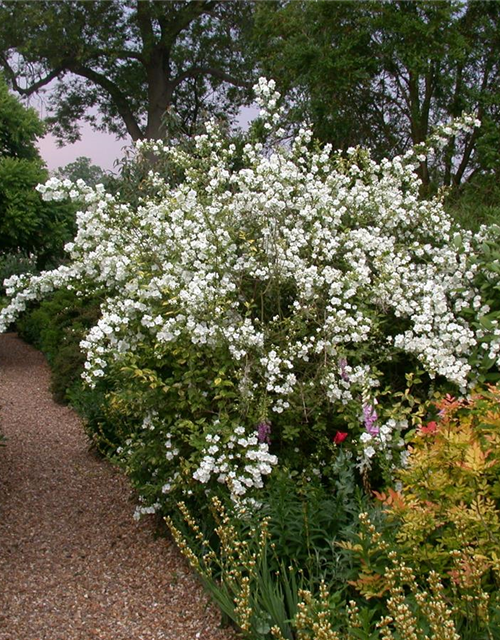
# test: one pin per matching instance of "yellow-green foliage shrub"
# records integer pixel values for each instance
(449, 498)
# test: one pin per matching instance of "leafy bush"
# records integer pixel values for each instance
(408, 598)
(450, 496)
(374, 593)
(278, 296)
(476, 203)
(28, 225)
(56, 327)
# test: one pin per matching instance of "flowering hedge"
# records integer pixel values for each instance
(282, 301)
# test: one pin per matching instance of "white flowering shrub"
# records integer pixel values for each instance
(271, 307)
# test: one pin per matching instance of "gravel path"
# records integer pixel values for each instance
(73, 563)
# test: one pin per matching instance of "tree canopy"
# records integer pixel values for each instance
(382, 74)
(19, 127)
(28, 225)
(83, 169)
(133, 60)
(378, 74)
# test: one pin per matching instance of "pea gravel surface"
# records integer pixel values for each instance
(74, 565)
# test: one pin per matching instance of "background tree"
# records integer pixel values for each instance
(320, 54)
(383, 74)
(28, 225)
(83, 169)
(438, 60)
(133, 60)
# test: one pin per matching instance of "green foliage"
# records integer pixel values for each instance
(27, 224)
(321, 53)
(15, 264)
(236, 571)
(476, 203)
(413, 600)
(255, 558)
(374, 593)
(487, 265)
(19, 127)
(381, 74)
(56, 327)
(429, 566)
(306, 518)
(413, 612)
(29, 227)
(83, 169)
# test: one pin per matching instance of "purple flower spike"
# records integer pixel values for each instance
(343, 369)
(264, 432)
(370, 418)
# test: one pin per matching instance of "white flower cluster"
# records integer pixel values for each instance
(144, 510)
(268, 98)
(152, 423)
(385, 439)
(293, 261)
(240, 462)
(443, 133)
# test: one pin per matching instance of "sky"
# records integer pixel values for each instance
(102, 148)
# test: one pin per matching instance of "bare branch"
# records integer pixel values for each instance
(120, 54)
(119, 98)
(27, 91)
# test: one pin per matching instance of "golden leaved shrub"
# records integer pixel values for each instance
(450, 490)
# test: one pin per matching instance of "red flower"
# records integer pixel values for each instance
(430, 428)
(339, 437)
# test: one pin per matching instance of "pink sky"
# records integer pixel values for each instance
(103, 149)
